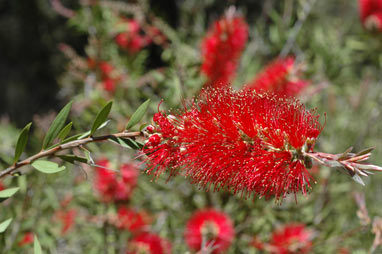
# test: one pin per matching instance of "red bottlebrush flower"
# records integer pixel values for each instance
(215, 227)
(371, 14)
(108, 84)
(221, 49)
(106, 68)
(67, 219)
(27, 239)
(279, 77)
(148, 243)
(240, 141)
(132, 40)
(290, 239)
(112, 187)
(131, 220)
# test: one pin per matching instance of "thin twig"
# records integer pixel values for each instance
(66, 146)
(296, 28)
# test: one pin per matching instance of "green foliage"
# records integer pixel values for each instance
(7, 193)
(138, 114)
(101, 117)
(57, 125)
(22, 142)
(4, 225)
(37, 246)
(47, 167)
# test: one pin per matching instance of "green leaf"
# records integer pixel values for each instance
(65, 131)
(7, 193)
(37, 246)
(22, 142)
(73, 158)
(4, 225)
(57, 125)
(86, 134)
(101, 117)
(47, 167)
(126, 142)
(74, 137)
(138, 114)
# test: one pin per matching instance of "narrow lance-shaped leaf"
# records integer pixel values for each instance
(7, 193)
(65, 131)
(101, 117)
(57, 125)
(36, 246)
(47, 167)
(138, 114)
(86, 134)
(126, 142)
(22, 142)
(4, 225)
(73, 158)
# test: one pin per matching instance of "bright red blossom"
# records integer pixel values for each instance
(221, 49)
(1, 186)
(216, 227)
(148, 243)
(291, 239)
(110, 185)
(279, 77)
(241, 141)
(27, 239)
(371, 14)
(132, 220)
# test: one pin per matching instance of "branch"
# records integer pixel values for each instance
(296, 28)
(66, 146)
(353, 164)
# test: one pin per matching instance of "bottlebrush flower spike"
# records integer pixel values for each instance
(148, 243)
(291, 238)
(280, 77)
(371, 14)
(27, 239)
(211, 227)
(132, 220)
(222, 47)
(67, 219)
(112, 187)
(131, 39)
(245, 142)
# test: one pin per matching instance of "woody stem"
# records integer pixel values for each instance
(66, 146)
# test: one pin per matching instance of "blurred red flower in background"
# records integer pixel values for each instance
(290, 239)
(280, 77)
(221, 49)
(1, 186)
(132, 39)
(132, 220)
(67, 219)
(241, 141)
(112, 186)
(215, 227)
(28, 238)
(148, 243)
(371, 14)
